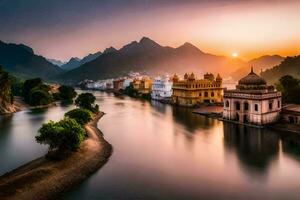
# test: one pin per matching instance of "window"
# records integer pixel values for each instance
(212, 94)
(227, 104)
(256, 107)
(270, 106)
(205, 94)
(237, 106)
(278, 104)
(200, 94)
(246, 106)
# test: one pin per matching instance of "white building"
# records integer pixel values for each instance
(127, 82)
(253, 101)
(161, 88)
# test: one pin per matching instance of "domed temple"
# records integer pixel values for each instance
(253, 101)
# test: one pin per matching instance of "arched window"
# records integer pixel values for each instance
(256, 107)
(227, 104)
(212, 94)
(205, 94)
(278, 104)
(200, 94)
(237, 105)
(246, 106)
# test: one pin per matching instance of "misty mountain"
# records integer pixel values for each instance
(56, 62)
(21, 61)
(75, 62)
(149, 57)
(289, 66)
(259, 64)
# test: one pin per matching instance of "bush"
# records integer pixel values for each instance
(82, 116)
(39, 97)
(66, 134)
(130, 91)
(29, 85)
(66, 92)
(86, 101)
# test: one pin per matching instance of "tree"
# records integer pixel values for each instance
(290, 88)
(130, 91)
(86, 101)
(66, 92)
(29, 85)
(39, 97)
(82, 116)
(66, 134)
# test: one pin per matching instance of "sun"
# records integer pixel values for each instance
(235, 54)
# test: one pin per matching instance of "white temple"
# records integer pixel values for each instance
(253, 101)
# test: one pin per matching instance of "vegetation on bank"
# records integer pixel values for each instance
(6, 97)
(130, 91)
(68, 133)
(290, 88)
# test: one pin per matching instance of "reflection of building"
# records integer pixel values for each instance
(291, 114)
(191, 91)
(161, 88)
(252, 101)
(255, 148)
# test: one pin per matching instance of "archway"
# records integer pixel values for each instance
(237, 117)
(245, 119)
(237, 105)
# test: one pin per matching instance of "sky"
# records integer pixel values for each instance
(62, 29)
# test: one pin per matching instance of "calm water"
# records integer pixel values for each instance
(162, 152)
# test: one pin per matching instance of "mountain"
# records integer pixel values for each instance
(259, 64)
(289, 66)
(149, 57)
(56, 62)
(21, 61)
(73, 63)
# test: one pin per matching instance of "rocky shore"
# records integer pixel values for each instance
(46, 179)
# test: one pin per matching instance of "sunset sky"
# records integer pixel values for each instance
(63, 29)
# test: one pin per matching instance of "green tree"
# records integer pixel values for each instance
(66, 134)
(82, 116)
(86, 101)
(39, 97)
(66, 92)
(290, 88)
(29, 85)
(130, 91)
(6, 97)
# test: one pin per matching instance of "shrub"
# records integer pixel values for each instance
(39, 97)
(29, 85)
(66, 92)
(86, 101)
(82, 116)
(66, 134)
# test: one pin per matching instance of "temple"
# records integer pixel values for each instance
(253, 101)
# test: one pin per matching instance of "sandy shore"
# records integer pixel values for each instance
(45, 179)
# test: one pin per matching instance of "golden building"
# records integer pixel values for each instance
(191, 91)
(143, 86)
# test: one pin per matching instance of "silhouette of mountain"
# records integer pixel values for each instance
(147, 56)
(261, 63)
(21, 61)
(75, 62)
(289, 66)
(56, 62)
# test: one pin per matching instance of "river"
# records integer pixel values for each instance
(164, 152)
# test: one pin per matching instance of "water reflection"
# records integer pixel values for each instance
(255, 148)
(291, 144)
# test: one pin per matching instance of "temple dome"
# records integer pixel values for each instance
(252, 79)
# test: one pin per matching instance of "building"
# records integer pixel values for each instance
(291, 113)
(192, 91)
(118, 84)
(143, 85)
(127, 82)
(161, 88)
(253, 101)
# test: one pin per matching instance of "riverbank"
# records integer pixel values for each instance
(46, 179)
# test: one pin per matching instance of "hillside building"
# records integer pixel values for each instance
(161, 88)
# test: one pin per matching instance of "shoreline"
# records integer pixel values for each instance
(46, 179)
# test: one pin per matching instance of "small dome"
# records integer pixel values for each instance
(252, 79)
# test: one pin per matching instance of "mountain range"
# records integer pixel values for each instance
(21, 61)
(149, 57)
(289, 66)
(76, 62)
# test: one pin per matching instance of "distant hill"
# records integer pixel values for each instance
(21, 61)
(56, 62)
(147, 56)
(73, 63)
(289, 66)
(261, 63)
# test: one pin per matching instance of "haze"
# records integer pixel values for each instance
(64, 29)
